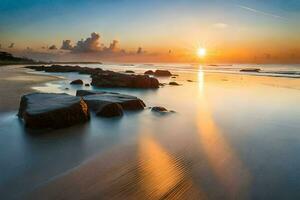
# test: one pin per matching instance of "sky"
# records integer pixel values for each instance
(232, 31)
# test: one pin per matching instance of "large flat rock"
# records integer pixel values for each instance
(51, 110)
(96, 99)
(114, 79)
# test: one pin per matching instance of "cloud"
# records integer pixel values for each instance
(261, 12)
(90, 44)
(113, 47)
(52, 47)
(140, 51)
(220, 25)
(66, 45)
(11, 45)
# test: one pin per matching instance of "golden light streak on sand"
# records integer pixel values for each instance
(163, 176)
(224, 162)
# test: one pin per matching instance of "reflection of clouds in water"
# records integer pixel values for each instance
(224, 162)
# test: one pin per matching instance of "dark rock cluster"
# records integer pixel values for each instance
(105, 78)
(52, 110)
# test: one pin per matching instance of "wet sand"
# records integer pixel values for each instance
(14, 82)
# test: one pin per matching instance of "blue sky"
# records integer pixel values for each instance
(150, 23)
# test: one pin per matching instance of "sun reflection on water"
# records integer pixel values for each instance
(200, 78)
(223, 160)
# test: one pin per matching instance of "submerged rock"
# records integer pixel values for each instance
(114, 79)
(96, 99)
(250, 70)
(162, 73)
(77, 82)
(51, 110)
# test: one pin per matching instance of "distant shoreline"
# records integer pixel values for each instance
(45, 63)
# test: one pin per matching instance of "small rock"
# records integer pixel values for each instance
(189, 81)
(129, 72)
(159, 109)
(250, 70)
(87, 85)
(162, 73)
(77, 82)
(173, 83)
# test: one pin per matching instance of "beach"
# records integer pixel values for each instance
(15, 81)
(231, 136)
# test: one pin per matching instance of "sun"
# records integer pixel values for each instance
(201, 52)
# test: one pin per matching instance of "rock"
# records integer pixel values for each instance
(250, 70)
(77, 82)
(96, 99)
(105, 78)
(65, 68)
(162, 73)
(81, 93)
(189, 81)
(109, 110)
(66, 88)
(51, 110)
(113, 79)
(173, 77)
(87, 85)
(149, 72)
(159, 109)
(129, 72)
(173, 83)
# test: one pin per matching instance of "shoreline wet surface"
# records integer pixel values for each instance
(229, 138)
